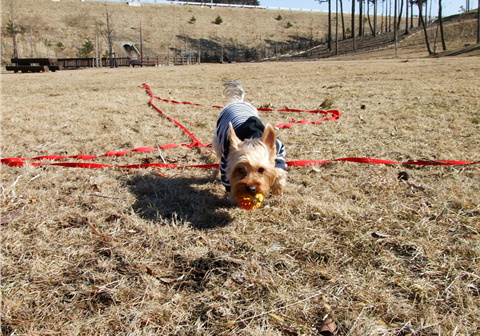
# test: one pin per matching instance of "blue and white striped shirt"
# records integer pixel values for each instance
(247, 125)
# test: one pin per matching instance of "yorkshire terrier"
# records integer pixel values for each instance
(252, 160)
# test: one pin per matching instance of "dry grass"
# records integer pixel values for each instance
(160, 252)
(70, 22)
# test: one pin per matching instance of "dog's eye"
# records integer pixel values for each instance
(261, 170)
(241, 171)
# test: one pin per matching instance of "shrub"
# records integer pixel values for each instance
(60, 46)
(86, 49)
(218, 20)
(192, 20)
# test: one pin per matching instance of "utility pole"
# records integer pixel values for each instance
(141, 42)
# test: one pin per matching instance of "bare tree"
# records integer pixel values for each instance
(478, 22)
(329, 25)
(395, 27)
(373, 27)
(336, 27)
(108, 33)
(329, 34)
(344, 36)
(420, 4)
(406, 17)
(368, 18)
(13, 30)
(440, 22)
(354, 47)
(399, 14)
(360, 17)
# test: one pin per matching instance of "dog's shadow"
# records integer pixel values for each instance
(190, 200)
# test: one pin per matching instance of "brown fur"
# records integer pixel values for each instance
(252, 165)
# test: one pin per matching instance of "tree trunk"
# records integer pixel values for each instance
(330, 25)
(399, 15)
(411, 16)
(424, 25)
(13, 30)
(478, 22)
(406, 18)
(440, 21)
(389, 23)
(109, 38)
(336, 27)
(395, 26)
(353, 26)
(344, 36)
(384, 17)
(360, 18)
(369, 20)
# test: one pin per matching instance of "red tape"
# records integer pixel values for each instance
(334, 114)
(327, 115)
(20, 162)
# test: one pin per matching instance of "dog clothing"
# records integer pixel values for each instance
(247, 125)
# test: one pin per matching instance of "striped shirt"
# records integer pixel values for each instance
(247, 125)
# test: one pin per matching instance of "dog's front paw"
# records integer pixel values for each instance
(280, 182)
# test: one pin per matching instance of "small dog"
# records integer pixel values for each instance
(252, 160)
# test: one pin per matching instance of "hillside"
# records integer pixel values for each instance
(460, 38)
(59, 29)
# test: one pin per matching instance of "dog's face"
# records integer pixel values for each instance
(252, 163)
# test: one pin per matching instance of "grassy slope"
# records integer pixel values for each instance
(70, 22)
(347, 241)
(59, 29)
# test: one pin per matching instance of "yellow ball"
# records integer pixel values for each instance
(250, 202)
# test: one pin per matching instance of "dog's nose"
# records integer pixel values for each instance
(252, 189)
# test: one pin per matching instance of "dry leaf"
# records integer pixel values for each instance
(159, 173)
(328, 328)
(96, 232)
(150, 271)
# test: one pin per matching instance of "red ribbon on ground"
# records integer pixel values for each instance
(334, 114)
(19, 162)
(327, 115)
(196, 142)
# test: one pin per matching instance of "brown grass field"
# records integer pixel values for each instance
(349, 249)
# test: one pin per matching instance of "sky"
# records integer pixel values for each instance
(450, 7)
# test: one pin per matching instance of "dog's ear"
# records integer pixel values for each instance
(234, 140)
(268, 138)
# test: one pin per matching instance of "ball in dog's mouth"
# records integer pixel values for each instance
(250, 202)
